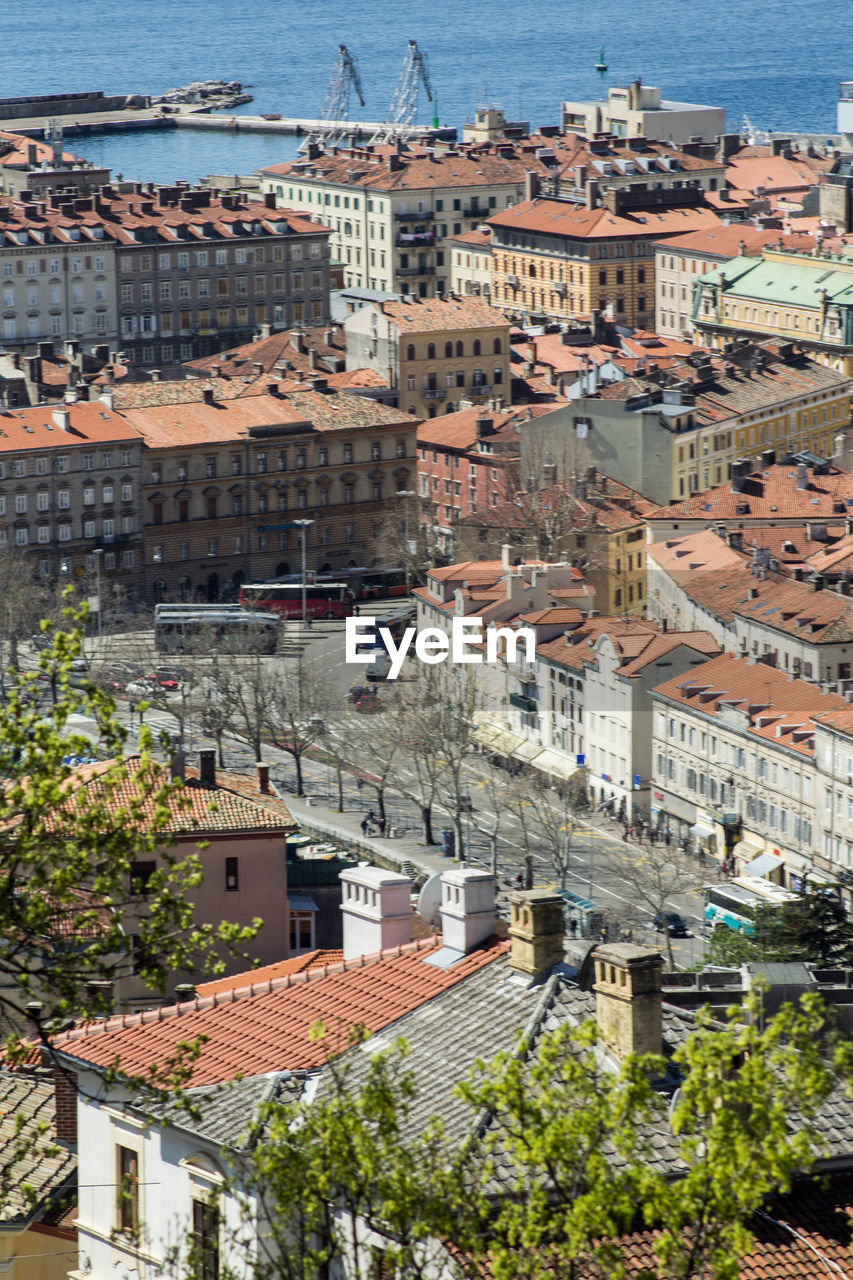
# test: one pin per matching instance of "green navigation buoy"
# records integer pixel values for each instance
(601, 65)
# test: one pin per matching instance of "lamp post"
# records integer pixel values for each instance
(406, 493)
(304, 526)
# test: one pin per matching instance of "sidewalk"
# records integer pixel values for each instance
(405, 854)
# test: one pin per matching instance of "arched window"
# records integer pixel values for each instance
(460, 349)
(497, 374)
(533, 269)
(497, 346)
(410, 352)
(431, 351)
(478, 347)
(448, 349)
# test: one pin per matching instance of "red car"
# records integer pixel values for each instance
(169, 683)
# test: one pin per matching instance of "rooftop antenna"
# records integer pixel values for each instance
(404, 104)
(335, 110)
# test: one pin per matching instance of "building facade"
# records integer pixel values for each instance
(639, 110)
(225, 480)
(437, 354)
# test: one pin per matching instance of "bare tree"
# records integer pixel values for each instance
(298, 706)
(420, 765)
(556, 822)
(654, 876)
(492, 810)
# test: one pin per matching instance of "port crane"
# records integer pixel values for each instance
(404, 103)
(335, 110)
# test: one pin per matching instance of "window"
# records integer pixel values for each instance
(127, 1187)
(232, 874)
(89, 495)
(212, 547)
(205, 1240)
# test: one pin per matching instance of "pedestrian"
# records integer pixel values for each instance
(625, 833)
(604, 932)
(381, 825)
(573, 927)
(365, 823)
(667, 836)
(519, 881)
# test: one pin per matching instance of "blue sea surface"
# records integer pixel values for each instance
(779, 63)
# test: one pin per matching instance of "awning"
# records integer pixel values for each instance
(702, 830)
(746, 851)
(764, 863)
(559, 766)
(484, 733)
(505, 744)
(301, 902)
(527, 751)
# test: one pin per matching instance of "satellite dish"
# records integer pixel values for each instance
(429, 900)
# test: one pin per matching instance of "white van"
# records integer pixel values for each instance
(378, 665)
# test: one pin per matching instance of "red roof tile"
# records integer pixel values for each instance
(270, 1029)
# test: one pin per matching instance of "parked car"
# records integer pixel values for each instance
(140, 689)
(79, 664)
(161, 680)
(675, 924)
(368, 704)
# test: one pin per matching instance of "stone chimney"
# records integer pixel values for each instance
(207, 767)
(377, 910)
(467, 907)
(65, 1098)
(802, 476)
(628, 998)
(263, 778)
(506, 552)
(536, 931)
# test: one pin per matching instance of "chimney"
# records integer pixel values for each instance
(207, 767)
(184, 991)
(263, 778)
(312, 359)
(65, 1099)
(506, 551)
(536, 931)
(62, 419)
(106, 397)
(215, 370)
(628, 998)
(802, 476)
(154, 375)
(531, 185)
(377, 910)
(207, 395)
(467, 908)
(178, 763)
(482, 426)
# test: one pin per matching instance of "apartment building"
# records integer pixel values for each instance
(438, 354)
(28, 164)
(198, 273)
(796, 297)
(70, 493)
(679, 262)
(470, 256)
(555, 260)
(391, 209)
(734, 763)
(225, 477)
(638, 109)
(678, 431)
(833, 746)
(169, 273)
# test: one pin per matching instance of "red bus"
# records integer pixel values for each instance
(322, 599)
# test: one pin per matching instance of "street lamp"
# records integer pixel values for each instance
(303, 525)
(406, 493)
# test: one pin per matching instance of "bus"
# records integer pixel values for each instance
(198, 628)
(363, 582)
(731, 905)
(322, 599)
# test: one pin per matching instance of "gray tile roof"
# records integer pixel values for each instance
(33, 1170)
(227, 1114)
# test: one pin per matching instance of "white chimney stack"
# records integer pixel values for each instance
(377, 910)
(62, 419)
(467, 908)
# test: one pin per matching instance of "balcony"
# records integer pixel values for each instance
(474, 211)
(512, 281)
(416, 271)
(480, 389)
(418, 215)
(434, 393)
(523, 704)
(406, 238)
(560, 289)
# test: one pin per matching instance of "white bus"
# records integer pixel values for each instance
(199, 628)
(731, 904)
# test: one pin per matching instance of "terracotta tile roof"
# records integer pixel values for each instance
(459, 430)
(769, 173)
(637, 643)
(559, 218)
(442, 315)
(723, 241)
(716, 590)
(778, 709)
(835, 559)
(697, 552)
(192, 420)
(269, 1030)
(14, 152)
(38, 428)
(478, 239)
(477, 166)
(326, 341)
(269, 972)
(769, 495)
(816, 617)
(357, 378)
(553, 617)
(609, 506)
(233, 804)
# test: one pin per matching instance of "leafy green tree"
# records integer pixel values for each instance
(814, 927)
(68, 844)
